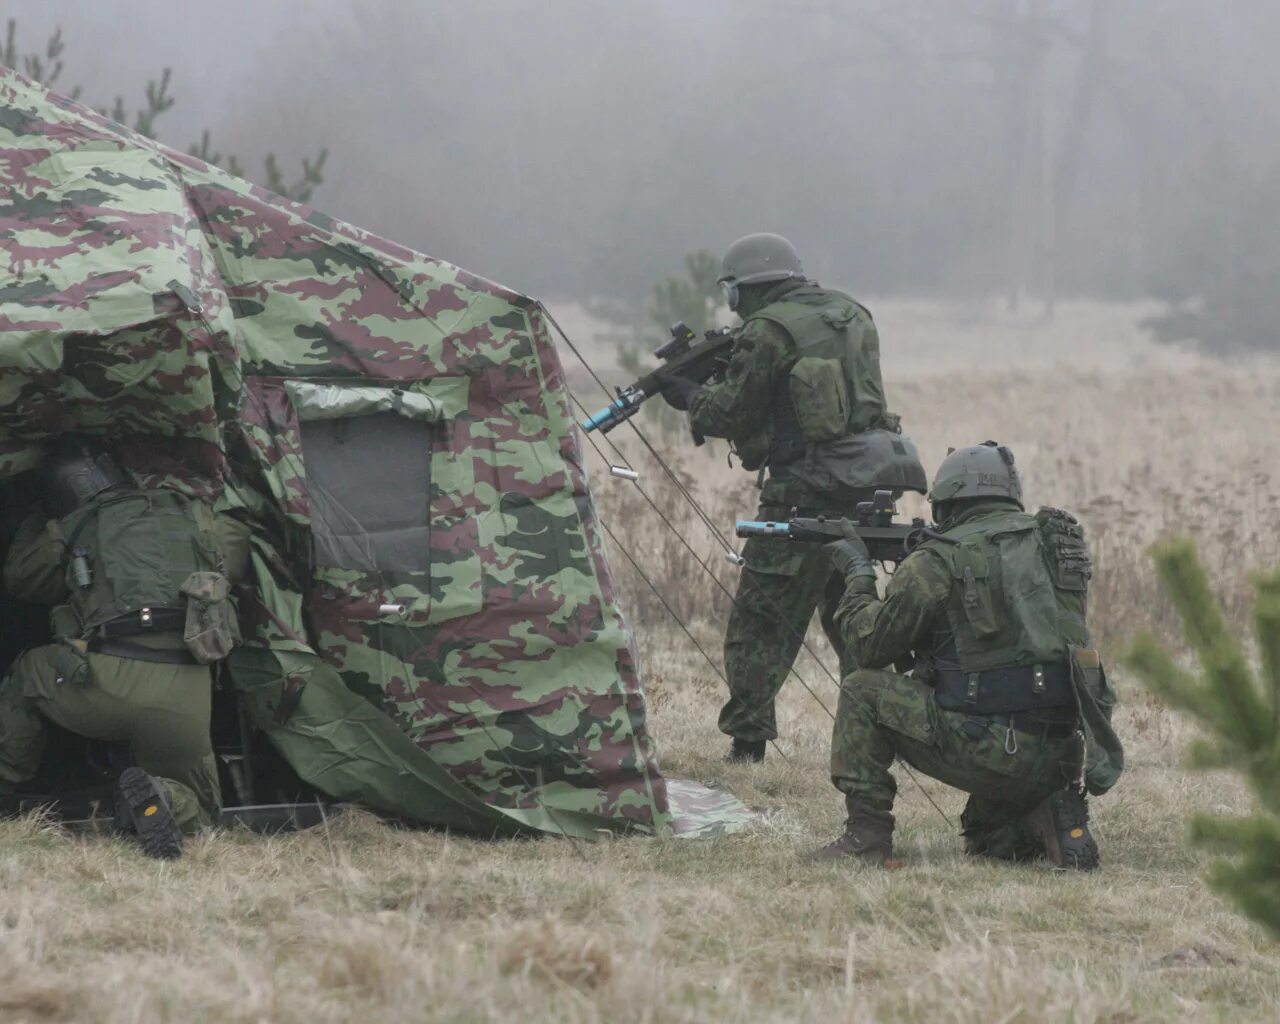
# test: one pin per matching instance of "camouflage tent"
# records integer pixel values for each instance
(396, 430)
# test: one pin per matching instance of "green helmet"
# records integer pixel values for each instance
(757, 259)
(978, 471)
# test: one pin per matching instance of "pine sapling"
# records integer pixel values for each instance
(1239, 710)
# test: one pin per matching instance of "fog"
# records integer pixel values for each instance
(575, 148)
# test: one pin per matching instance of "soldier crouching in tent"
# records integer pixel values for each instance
(803, 403)
(142, 580)
(1006, 700)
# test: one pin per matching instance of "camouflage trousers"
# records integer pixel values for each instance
(1008, 766)
(782, 585)
(162, 711)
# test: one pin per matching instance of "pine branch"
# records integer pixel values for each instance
(158, 101)
(1266, 623)
(47, 67)
(302, 188)
(1241, 716)
(1163, 676)
(9, 55)
(1232, 696)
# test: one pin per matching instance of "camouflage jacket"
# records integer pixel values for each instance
(737, 407)
(742, 407)
(762, 355)
(880, 633)
(911, 620)
(35, 566)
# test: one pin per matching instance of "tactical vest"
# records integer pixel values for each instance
(1015, 611)
(833, 387)
(130, 560)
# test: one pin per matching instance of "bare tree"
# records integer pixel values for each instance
(46, 68)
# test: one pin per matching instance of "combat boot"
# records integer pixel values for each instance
(142, 807)
(746, 751)
(997, 837)
(868, 837)
(1061, 821)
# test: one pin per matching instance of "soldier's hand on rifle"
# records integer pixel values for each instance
(850, 557)
(679, 391)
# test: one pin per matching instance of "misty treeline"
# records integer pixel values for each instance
(44, 63)
(1027, 150)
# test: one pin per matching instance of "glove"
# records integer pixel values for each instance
(850, 557)
(679, 391)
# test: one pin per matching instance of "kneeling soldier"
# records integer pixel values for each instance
(145, 610)
(997, 689)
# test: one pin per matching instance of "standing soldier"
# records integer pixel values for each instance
(141, 577)
(801, 401)
(1006, 698)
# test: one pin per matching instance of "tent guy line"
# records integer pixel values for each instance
(667, 605)
(705, 517)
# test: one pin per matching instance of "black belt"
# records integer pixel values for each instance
(1003, 690)
(147, 620)
(139, 652)
(1050, 730)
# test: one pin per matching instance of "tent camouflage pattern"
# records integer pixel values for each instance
(396, 430)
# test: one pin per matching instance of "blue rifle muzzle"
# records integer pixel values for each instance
(612, 414)
(753, 528)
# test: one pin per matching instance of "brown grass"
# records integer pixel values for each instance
(360, 922)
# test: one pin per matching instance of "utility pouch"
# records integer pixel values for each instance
(820, 397)
(1063, 539)
(971, 571)
(64, 623)
(1095, 698)
(211, 629)
(71, 664)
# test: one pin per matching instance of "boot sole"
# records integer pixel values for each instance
(144, 807)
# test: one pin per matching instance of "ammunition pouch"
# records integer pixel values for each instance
(71, 665)
(820, 398)
(210, 629)
(64, 623)
(1005, 690)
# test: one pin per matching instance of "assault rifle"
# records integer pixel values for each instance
(886, 540)
(683, 356)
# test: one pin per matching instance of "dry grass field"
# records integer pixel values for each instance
(359, 922)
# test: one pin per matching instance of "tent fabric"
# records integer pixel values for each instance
(395, 429)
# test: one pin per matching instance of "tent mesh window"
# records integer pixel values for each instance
(369, 485)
